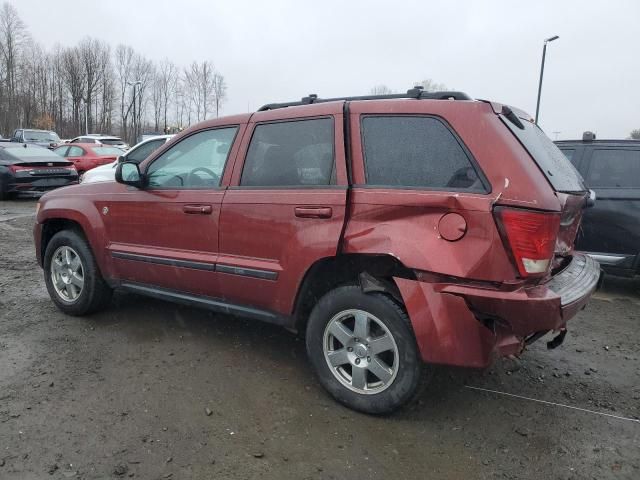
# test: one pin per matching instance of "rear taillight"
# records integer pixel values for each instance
(531, 236)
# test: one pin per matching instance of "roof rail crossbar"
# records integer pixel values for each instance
(416, 93)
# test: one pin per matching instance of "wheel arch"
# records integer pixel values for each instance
(372, 272)
(91, 229)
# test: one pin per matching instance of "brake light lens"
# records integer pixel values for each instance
(531, 237)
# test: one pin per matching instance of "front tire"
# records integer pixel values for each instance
(72, 276)
(363, 350)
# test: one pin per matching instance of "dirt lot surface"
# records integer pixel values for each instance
(151, 390)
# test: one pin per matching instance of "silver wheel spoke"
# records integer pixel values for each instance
(75, 264)
(361, 328)
(381, 371)
(339, 331)
(381, 344)
(77, 280)
(67, 256)
(72, 291)
(58, 282)
(359, 378)
(338, 357)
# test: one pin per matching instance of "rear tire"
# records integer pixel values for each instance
(72, 276)
(363, 350)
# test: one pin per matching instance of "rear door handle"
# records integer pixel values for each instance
(198, 209)
(313, 212)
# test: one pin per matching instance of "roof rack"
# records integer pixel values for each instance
(416, 92)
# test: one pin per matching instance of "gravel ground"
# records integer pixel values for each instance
(151, 390)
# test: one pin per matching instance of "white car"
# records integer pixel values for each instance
(102, 139)
(107, 173)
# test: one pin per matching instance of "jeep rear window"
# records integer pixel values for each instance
(615, 168)
(416, 152)
(555, 165)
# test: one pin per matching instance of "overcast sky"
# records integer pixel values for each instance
(279, 50)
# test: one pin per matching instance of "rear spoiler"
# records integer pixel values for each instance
(514, 114)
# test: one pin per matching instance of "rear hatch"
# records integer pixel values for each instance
(565, 180)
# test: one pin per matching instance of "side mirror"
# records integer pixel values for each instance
(128, 173)
(591, 200)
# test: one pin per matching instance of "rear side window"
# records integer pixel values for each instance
(562, 175)
(75, 152)
(106, 151)
(615, 168)
(296, 153)
(111, 141)
(421, 152)
(568, 152)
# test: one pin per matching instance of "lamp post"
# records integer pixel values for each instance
(135, 119)
(544, 53)
(86, 119)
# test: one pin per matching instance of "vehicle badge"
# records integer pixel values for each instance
(49, 164)
(105, 210)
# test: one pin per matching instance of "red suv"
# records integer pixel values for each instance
(395, 231)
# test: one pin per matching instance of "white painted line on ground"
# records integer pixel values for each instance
(553, 403)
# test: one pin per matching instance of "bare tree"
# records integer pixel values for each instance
(94, 57)
(63, 87)
(381, 90)
(635, 134)
(168, 75)
(219, 91)
(74, 82)
(13, 35)
(431, 86)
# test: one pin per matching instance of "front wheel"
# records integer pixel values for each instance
(72, 276)
(363, 349)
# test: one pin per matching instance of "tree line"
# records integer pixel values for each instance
(92, 86)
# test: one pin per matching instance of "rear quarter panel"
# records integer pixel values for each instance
(404, 222)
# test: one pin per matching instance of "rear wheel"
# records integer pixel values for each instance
(363, 350)
(72, 277)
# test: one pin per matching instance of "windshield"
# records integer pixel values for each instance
(111, 141)
(560, 172)
(36, 136)
(107, 151)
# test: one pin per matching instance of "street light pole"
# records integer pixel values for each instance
(544, 54)
(135, 119)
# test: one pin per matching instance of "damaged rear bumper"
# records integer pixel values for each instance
(470, 325)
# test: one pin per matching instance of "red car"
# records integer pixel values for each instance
(86, 156)
(395, 231)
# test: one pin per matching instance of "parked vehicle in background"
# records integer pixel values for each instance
(394, 230)
(611, 230)
(32, 169)
(101, 139)
(43, 138)
(86, 156)
(138, 153)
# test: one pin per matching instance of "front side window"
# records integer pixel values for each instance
(614, 168)
(140, 153)
(420, 152)
(196, 162)
(295, 153)
(61, 150)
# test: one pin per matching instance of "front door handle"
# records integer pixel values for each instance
(198, 209)
(313, 212)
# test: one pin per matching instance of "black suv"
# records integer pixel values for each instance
(611, 229)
